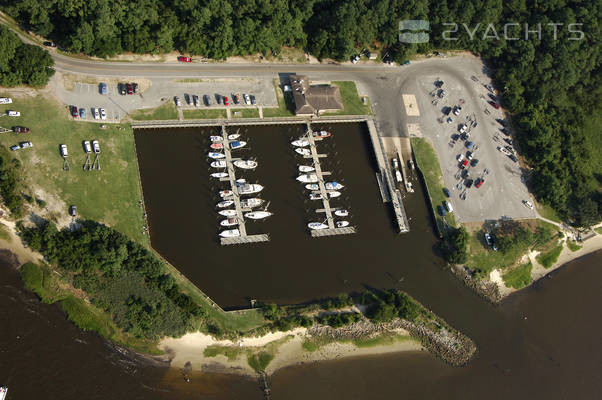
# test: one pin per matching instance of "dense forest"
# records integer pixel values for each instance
(22, 63)
(551, 83)
(120, 277)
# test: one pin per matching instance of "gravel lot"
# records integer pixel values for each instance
(503, 190)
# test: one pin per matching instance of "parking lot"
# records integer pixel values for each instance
(153, 93)
(473, 159)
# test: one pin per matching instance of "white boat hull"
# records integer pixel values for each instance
(245, 164)
(300, 143)
(219, 175)
(308, 178)
(219, 164)
(303, 152)
(341, 213)
(333, 194)
(216, 156)
(249, 188)
(225, 203)
(229, 222)
(258, 214)
(333, 186)
(342, 224)
(306, 168)
(233, 136)
(226, 193)
(312, 186)
(216, 138)
(227, 213)
(317, 226)
(230, 233)
(251, 203)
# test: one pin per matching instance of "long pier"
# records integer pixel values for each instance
(244, 237)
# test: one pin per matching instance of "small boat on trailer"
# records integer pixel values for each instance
(230, 233)
(225, 203)
(258, 214)
(227, 213)
(317, 226)
(245, 164)
(219, 175)
(219, 164)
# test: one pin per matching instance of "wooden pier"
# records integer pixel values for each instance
(332, 231)
(243, 238)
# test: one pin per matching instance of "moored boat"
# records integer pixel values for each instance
(225, 203)
(226, 193)
(216, 146)
(3, 392)
(249, 188)
(245, 164)
(216, 155)
(315, 196)
(312, 186)
(341, 224)
(251, 203)
(258, 214)
(227, 213)
(306, 168)
(308, 178)
(341, 213)
(300, 143)
(233, 136)
(237, 144)
(230, 233)
(333, 194)
(303, 151)
(317, 225)
(333, 186)
(218, 164)
(216, 138)
(229, 222)
(321, 134)
(219, 175)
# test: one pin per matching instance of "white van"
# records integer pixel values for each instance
(449, 206)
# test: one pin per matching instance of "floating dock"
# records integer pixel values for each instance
(244, 237)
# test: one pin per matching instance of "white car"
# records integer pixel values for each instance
(87, 147)
(503, 151)
(5, 100)
(247, 99)
(103, 114)
(96, 146)
(96, 113)
(64, 152)
(528, 204)
(14, 113)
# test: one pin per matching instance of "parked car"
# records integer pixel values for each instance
(207, 100)
(457, 110)
(177, 101)
(247, 99)
(474, 162)
(129, 88)
(135, 87)
(74, 112)
(49, 44)
(253, 100)
(236, 98)
(122, 89)
(479, 182)
(15, 147)
(446, 192)
(82, 113)
(187, 99)
(5, 100)
(103, 114)
(63, 149)
(218, 98)
(448, 206)
(468, 183)
(503, 150)
(508, 140)
(20, 129)
(25, 145)
(469, 145)
(96, 113)
(441, 210)
(463, 164)
(195, 100)
(184, 59)
(528, 204)
(73, 211)
(494, 104)
(462, 128)
(513, 157)
(226, 101)
(492, 96)
(102, 88)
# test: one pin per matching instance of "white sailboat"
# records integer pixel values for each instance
(227, 213)
(308, 178)
(233, 136)
(258, 214)
(226, 193)
(303, 151)
(312, 186)
(306, 168)
(251, 203)
(300, 143)
(216, 138)
(230, 233)
(229, 222)
(249, 188)
(317, 225)
(219, 175)
(215, 155)
(333, 186)
(341, 224)
(245, 164)
(341, 213)
(218, 164)
(333, 194)
(225, 203)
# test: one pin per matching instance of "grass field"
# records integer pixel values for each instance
(573, 246)
(286, 105)
(205, 114)
(4, 235)
(518, 277)
(548, 258)
(598, 231)
(110, 195)
(547, 212)
(164, 111)
(352, 103)
(427, 161)
(245, 113)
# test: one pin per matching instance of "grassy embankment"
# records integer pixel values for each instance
(519, 277)
(286, 104)
(428, 163)
(110, 195)
(573, 246)
(352, 103)
(205, 114)
(549, 257)
(48, 286)
(245, 113)
(164, 111)
(313, 344)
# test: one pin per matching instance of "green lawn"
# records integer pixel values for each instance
(110, 195)
(598, 231)
(384, 340)
(573, 246)
(245, 113)
(547, 212)
(164, 111)
(427, 161)
(205, 114)
(548, 258)
(4, 235)
(352, 103)
(518, 277)
(286, 105)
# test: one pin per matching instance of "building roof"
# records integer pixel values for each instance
(310, 99)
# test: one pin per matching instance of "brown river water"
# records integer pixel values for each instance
(541, 343)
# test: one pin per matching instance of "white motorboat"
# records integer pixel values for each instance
(233, 136)
(245, 164)
(230, 233)
(308, 178)
(216, 138)
(333, 186)
(300, 143)
(225, 203)
(333, 194)
(341, 224)
(317, 225)
(226, 193)
(227, 213)
(341, 213)
(249, 188)
(218, 164)
(3, 392)
(215, 155)
(237, 144)
(312, 186)
(240, 181)
(321, 134)
(219, 175)
(303, 151)
(216, 146)
(315, 196)
(306, 168)
(229, 222)
(258, 214)
(251, 203)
